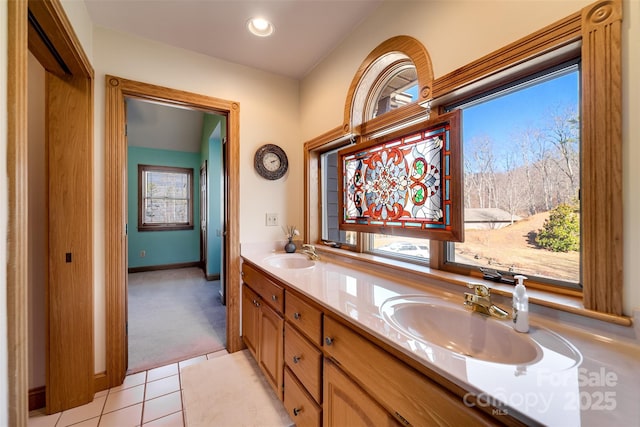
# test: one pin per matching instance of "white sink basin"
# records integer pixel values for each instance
(290, 261)
(441, 323)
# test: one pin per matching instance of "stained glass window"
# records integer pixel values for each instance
(407, 183)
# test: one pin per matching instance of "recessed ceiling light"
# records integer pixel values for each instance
(260, 27)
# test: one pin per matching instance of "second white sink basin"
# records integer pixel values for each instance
(440, 322)
(290, 261)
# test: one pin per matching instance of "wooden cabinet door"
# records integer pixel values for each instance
(250, 312)
(270, 358)
(346, 404)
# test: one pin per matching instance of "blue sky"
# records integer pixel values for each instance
(503, 117)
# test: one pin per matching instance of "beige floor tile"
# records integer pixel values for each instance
(131, 381)
(126, 417)
(162, 406)
(124, 398)
(39, 418)
(223, 352)
(101, 394)
(163, 386)
(93, 422)
(173, 420)
(162, 372)
(82, 413)
(192, 361)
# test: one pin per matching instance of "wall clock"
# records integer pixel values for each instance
(271, 162)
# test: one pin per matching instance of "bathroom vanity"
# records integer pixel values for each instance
(346, 345)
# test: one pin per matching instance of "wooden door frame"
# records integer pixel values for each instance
(117, 89)
(72, 67)
(204, 202)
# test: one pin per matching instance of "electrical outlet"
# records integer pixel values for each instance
(143, 254)
(272, 219)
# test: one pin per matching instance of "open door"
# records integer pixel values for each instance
(204, 209)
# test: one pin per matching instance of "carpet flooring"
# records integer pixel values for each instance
(173, 315)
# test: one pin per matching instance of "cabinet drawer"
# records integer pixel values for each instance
(299, 405)
(271, 292)
(304, 360)
(406, 393)
(306, 318)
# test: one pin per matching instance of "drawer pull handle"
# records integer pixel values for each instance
(296, 411)
(297, 316)
(296, 359)
(255, 302)
(274, 298)
(328, 340)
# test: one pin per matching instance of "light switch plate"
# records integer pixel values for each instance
(272, 219)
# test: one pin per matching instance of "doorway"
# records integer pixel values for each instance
(117, 89)
(174, 309)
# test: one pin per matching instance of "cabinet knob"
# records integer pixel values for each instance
(296, 316)
(274, 298)
(328, 340)
(296, 411)
(296, 359)
(254, 302)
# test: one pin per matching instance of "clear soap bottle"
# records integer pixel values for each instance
(520, 305)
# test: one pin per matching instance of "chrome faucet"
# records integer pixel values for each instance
(480, 301)
(310, 251)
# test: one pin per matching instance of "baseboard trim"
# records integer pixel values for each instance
(212, 277)
(37, 398)
(163, 267)
(100, 382)
(38, 395)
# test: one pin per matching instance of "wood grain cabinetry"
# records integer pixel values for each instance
(303, 358)
(346, 404)
(329, 372)
(263, 324)
(411, 397)
(250, 314)
(302, 409)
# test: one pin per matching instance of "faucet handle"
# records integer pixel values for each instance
(479, 289)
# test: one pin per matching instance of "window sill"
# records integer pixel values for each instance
(415, 272)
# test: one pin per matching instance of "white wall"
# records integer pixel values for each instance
(268, 114)
(37, 223)
(4, 202)
(475, 29)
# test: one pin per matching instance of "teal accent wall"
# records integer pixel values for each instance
(213, 131)
(162, 247)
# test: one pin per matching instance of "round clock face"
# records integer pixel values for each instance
(271, 162)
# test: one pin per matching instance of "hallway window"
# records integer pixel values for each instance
(165, 198)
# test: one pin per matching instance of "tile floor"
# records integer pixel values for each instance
(151, 398)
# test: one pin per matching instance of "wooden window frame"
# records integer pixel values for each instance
(594, 35)
(142, 226)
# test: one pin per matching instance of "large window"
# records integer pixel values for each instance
(522, 179)
(330, 204)
(165, 198)
(543, 166)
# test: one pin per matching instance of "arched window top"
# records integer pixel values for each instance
(382, 79)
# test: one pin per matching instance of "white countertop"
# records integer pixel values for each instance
(583, 376)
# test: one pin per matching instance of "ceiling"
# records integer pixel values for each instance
(153, 125)
(306, 31)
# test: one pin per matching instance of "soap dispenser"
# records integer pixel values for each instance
(520, 305)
